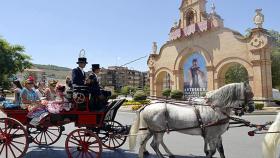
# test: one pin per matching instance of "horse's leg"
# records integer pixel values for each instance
(206, 147)
(220, 147)
(142, 150)
(165, 147)
(155, 145)
(213, 146)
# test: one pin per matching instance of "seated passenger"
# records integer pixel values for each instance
(40, 90)
(31, 102)
(99, 97)
(68, 82)
(16, 102)
(60, 103)
(2, 95)
(50, 91)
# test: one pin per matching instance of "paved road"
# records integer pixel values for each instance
(236, 143)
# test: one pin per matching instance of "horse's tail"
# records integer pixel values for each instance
(134, 129)
(271, 140)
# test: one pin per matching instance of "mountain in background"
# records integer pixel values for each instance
(53, 71)
(52, 67)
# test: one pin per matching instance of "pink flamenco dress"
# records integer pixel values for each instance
(58, 105)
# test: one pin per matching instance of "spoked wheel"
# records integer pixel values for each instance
(13, 138)
(45, 135)
(83, 143)
(112, 136)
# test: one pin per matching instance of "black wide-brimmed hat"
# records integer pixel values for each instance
(95, 66)
(82, 60)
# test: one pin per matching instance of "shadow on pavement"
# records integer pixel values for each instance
(59, 152)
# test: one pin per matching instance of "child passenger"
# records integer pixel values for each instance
(60, 103)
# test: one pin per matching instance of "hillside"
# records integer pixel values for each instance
(52, 67)
(54, 71)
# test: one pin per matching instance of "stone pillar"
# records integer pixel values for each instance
(260, 47)
(210, 78)
(178, 80)
(263, 83)
(152, 84)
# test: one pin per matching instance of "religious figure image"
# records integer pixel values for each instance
(196, 76)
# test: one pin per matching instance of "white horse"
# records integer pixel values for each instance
(272, 140)
(215, 112)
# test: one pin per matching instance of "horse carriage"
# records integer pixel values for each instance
(94, 129)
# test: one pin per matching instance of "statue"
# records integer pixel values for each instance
(259, 18)
(82, 54)
(213, 9)
(154, 48)
(175, 24)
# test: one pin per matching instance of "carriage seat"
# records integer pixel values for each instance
(81, 89)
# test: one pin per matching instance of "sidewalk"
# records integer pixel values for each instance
(267, 111)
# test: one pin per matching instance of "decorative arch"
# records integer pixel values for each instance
(225, 64)
(159, 79)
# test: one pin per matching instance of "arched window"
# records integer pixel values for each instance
(167, 81)
(190, 17)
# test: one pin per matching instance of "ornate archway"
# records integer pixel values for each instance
(163, 80)
(220, 47)
(224, 65)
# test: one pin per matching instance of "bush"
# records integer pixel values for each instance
(136, 107)
(142, 102)
(145, 102)
(140, 95)
(259, 106)
(166, 93)
(132, 103)
(176, 94)
(113, 96)
(277, 101)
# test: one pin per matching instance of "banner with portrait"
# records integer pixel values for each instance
(195, 76)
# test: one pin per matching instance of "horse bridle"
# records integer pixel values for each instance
(243, 108)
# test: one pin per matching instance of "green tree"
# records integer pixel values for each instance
(235, 74)
(147, 90)
(12, 60)
(275, 58)
(126, 90)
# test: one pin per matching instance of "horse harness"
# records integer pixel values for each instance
(200, 125)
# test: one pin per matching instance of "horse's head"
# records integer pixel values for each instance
(237, 96)
(248, 104)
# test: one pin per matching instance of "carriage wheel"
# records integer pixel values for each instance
(45, 135)
(112, 135)
(83, 143)
(13, 138)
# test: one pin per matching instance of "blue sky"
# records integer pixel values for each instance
(112, 32)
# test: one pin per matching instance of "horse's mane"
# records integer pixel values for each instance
(226, 96)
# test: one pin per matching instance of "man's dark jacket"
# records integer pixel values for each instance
(78, 78)
(95, 88)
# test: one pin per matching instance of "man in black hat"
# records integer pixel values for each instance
(99, 96)
(78, 74)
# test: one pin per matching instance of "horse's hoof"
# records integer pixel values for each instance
(146, 153)
(172, 156)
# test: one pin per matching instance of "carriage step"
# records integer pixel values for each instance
(62, 128)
